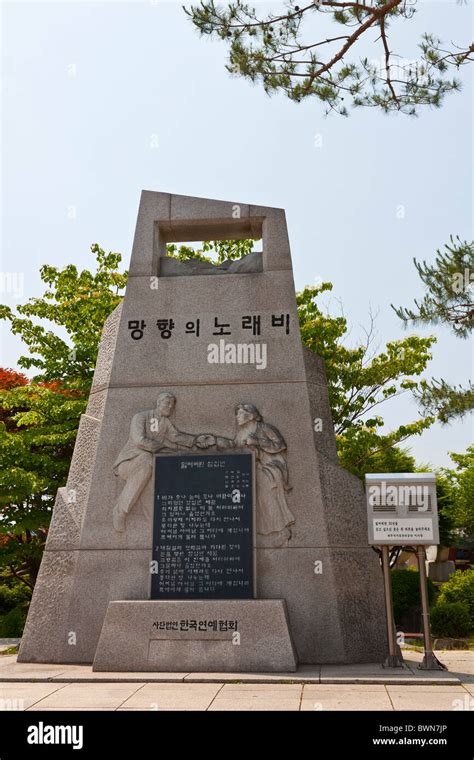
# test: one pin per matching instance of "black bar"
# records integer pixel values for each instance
(378, 734)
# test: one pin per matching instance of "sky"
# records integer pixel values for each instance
(103, 99)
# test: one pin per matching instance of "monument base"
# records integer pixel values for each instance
(229, 635)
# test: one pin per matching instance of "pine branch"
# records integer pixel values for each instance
(273, 49)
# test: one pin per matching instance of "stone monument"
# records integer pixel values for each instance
(206, 523)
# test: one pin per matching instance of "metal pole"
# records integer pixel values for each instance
(430, 661)
(394, 659)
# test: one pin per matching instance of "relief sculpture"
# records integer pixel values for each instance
(152, 431)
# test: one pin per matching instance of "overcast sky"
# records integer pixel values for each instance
(89, 89)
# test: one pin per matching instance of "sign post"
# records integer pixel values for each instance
(430, 661)
(402, 511)
(394, 659)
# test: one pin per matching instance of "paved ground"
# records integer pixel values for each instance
(25, 686)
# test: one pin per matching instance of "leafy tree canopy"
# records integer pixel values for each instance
(77, 303)
(213, 252)
(460, 487)
(359, 381)
(39, 417)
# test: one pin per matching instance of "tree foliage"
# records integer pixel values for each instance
(406, 592)
(77, 303)
(39, 417)
(449, 283)
(450, 619)
(446, 498)
(359, 381)
(460, 488)
(315, 50)
(211, 251)
(447, 401)
(38, 426)
(448, 301)
(460, 588)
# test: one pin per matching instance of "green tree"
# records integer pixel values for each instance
(14, 600)
(284, 52)
(214, 252)
(460, 487)
(360, 381)
(39, 418)
(460, 588)
(38, 426)
(448, 301)
(446, 498)
(78, 303)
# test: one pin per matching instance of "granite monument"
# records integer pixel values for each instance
(198, 366)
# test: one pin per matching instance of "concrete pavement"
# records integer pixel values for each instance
(32, 687)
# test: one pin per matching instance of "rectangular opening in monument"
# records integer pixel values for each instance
(203, 527)
(217, 251)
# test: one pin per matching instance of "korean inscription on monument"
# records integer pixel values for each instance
(203, 527)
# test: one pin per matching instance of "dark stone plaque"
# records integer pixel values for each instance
(203, 527)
